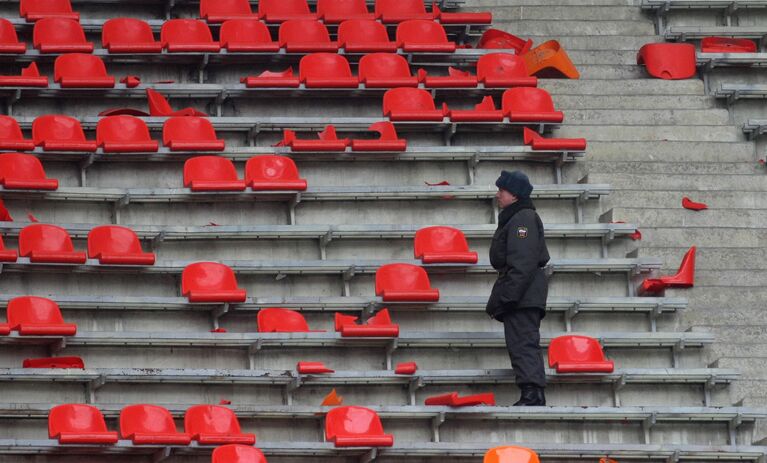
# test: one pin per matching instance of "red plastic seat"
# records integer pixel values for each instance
(684, 278)
(187, 35)
(113, 244)
(305, 36)
(234, 453)
(537, 142)
(412, 104)
(328, 141)
(277, 11)
(386, 70)
(355, 427)
(24, 172)
(48, 244)
(337, 11)
(30, 77)
(452, 399)
(396, 11)
(528, 104)
(247, 35)
(210, 282)
(481, 17)
(267, 79)
(379, 325)
(34, 10)
(277, 320)
(455, 79)
(502, 70)
(326, 70)
(404, 282)
(441, 245)
(190, 134)
(79, 424)
(510, 454)
(61, 133)
(215, 425)
(159, 106)
(578, 354)
(129, 35)
(37, 316)
(364, 36)
(7, 255)
(498, 39)
(406, 368)
(9, 40)
(211, 173)
(124, 134)
(727, 45)
(269, 172)
(670, 61)
(60, 35)
(54, 362)
(11, 137)
(218, 11)
(388, 140)
(150, 424)
(78, 70)
(419, 35)
(482, 112)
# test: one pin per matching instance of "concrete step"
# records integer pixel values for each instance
(586, 42)
(527, 27)
(680, 168)
(569, 102)
(722, 258)
(611, 71)
(500, 4)
(700, 236)
(717, 201)
(621, 57)
(661, 181)
(676, 151)
(563, 11)
(753, 218)
(717, 133)
(641, 87)
(667, 117)
(716, 300)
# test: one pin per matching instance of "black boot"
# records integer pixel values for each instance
(532, 396)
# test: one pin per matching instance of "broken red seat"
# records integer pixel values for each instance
(670, 61)
(60, 35)
(355, 427)
(7, 255)
(337, 11)
(404, 282)
(267, 79)
(149, 425)
(481, 17)
(159, 106)
(20, 171)
(379, 325)
(312, 368)
(365, 36)
(277, 320)
(528, 104)
(187, 35)
(218, 11)
(9, 40)
(443, 245)
(451, 399)
(61, 133)
(684, 278)
(37, 316)
(504, 70)
(412, 104)
(406, 368)
(727, 45)
(482, 112)
(35, 10)
(237, 453)
(11, 137)
(419, 36)
(212, 173)
(124, 134)
(280, 11)
(328, 141)
(190, 133)
(388, 140)
(386, 70)
(129, 35)
(498, 39)
(210, 282)
(54, 362)
(215, 425)
(30, 77)
(306, 36)
(80, 70)
(326, 70)
(271, 172)
(397, 11)
(455, 79)
(117, 245)
(44, 243)
(578, 354)
(5, 329)
(537, 142)
(79, 424)
(248, 36)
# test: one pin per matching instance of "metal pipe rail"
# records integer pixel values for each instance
(755, 128)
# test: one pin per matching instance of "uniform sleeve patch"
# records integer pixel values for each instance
(522, 232)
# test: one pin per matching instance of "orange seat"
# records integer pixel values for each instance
(149, 425)
(452, 399)
(247, 35)
(276, 320)
(537, 142)
(326, 70)
(269, 172)
(37, 316)
(7, 255)
(727, 45)
(684, 278)
(113, 244)
(364, 36)
(328, 141)
(337, 11)
(211, 173)
(34, 10)
(60, 35)
(386, 70)
(283, 79)
(187, 35)
(355, 427)
(55, 362)
(419, 35)
(78, 70)
(124, 134)
(234, 453)
(498, 39)
(159, 106)
(669, 61)
(305, 36)
(510, 454)
(9, 40)
(387, 141)
(79, 424)
(396, 11)
(578, 354)
(482, 112)
(549, 60)
(129, 35)
(218, 11)
(277, 11)
(190, 134)
(210, 282)
(528, 104)
(404, 282)
(411, 104)
(441, 245)
(503, 70)
(30, 77)
(379, 325)
(455, 79)
(215, 425)
(11, 137)
(61, 133)
(48, 244)
(24, 172)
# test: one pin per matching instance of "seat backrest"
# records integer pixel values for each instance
(10, 129)
(401, 277)
(324, 65)
(126, 30)
(399, 7)
(33, 309)
(207, 276)
(352, 422)
(510, 454)
(38, 7)
(407, 99)
(143, 418)
(276, 320)
(158, 104)
(224, 7)
(421, 31)
(208, 168)
(527, 100)
(187, 128)
(284, 7)
(573, 348)
(383, 65)
(57, 31)
(245, 30)
(56, 127)
(439, 239)
(236, 453)
(77, 418)
(7, 32)
(362, 31)
(501, 65)
(185, 31)
(303, 30)
(44, 237)
(382, 318)
(210, 419)
(270, 167)
(341, 7)
(21, 166)
(78, 65)
(112, 239)
(121, 129)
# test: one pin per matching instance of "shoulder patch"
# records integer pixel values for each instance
(521, 232)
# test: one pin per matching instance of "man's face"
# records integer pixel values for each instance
(504, 198)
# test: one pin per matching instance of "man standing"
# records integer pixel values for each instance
(519, 254)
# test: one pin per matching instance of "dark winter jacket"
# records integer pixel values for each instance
(519, 253)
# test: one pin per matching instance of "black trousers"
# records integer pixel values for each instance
(522, 327)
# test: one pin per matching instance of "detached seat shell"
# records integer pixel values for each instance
(277, 320)
(404, 282)
(212, 173)
(79, 70)
(248, 35)
(337, 11)
(187, 35)
(20, 171)
(578, 354)
(61, 133)
(44, 243)
(237, 453)
(684, 278)
(365, 36)
(305, 36)
(215, 425)
(496, 39)
(528, 104)
(278, 11)
(113, 244)
(210, 282)
(504, 70)
(79, 424)
(129, 35)
(727, 45)
(419, 36)
(35, 10)
(452, 399)
(355, 427)
(191, 134)
(411, 104)
(271, 172)
(510, 454)
(59, 35)
(9, 40)
(124, 134)
(218, 11)
(37, 316)
(11, 137)
(150, 425)
(441, 245)
(669, 61)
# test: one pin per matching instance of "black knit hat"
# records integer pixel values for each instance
(515, 183)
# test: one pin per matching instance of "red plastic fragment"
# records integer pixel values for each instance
(406, 368)
(452, 399)
(687, 203)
